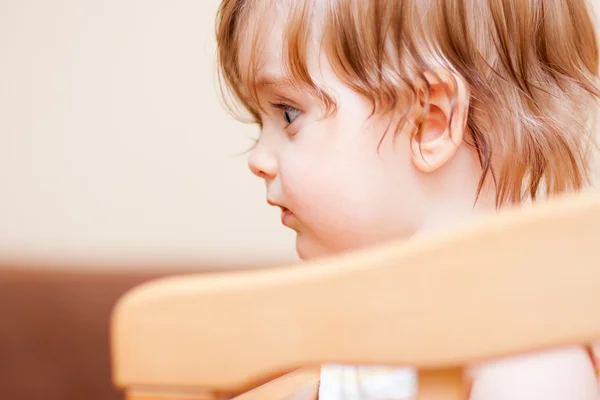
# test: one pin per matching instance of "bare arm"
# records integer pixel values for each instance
(562, 374)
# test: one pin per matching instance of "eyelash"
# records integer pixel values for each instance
(286, 107)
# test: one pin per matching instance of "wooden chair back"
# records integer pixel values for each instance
(525, 280)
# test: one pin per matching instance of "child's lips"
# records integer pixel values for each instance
(286, 216)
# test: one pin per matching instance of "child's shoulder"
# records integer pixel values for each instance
(564, 373)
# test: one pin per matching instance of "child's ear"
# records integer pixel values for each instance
(443, 128)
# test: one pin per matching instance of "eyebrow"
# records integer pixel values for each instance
(273, 80)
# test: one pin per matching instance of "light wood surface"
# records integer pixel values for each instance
(161, 395)
(446, 384)
(526, 280)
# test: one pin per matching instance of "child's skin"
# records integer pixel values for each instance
(341, 189)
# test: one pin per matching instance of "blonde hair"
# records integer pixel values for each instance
(530, 66)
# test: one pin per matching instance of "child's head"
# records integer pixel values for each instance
(383, 118)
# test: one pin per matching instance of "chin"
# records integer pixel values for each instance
(302, 253)
(307, 248)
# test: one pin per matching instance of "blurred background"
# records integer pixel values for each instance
(118, 164)
(113, 139)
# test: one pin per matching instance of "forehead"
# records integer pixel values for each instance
(261, 43)
(264, 40)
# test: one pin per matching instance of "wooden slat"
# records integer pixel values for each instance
(443, 384)
(523, 281)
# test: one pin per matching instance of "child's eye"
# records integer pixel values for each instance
(289, 113)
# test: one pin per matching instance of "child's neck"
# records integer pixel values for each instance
(456, 203)
(454, 220)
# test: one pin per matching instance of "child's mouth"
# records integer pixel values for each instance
(286, 216)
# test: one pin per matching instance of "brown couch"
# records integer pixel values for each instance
(55, 326)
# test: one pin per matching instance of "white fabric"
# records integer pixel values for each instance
(343, 382)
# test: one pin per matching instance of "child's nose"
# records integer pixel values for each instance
(263, 164)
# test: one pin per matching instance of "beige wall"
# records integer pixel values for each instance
(112, 141)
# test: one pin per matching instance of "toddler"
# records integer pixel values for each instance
(386, 119)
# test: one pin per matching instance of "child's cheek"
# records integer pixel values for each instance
(320, 197)
(311, 190)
